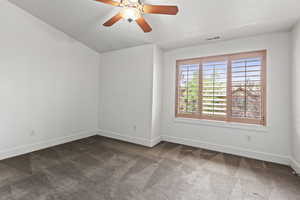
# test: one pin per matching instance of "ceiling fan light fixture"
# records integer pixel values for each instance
(131, 13)
(133, 10)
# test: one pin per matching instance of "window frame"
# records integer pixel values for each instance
(229, 58)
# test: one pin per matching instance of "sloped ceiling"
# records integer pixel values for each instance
(196, 21)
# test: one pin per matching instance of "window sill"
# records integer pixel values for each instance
(234, 125)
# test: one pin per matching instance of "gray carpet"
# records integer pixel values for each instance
(98, 168)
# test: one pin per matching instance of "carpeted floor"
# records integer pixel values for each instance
(98, 168)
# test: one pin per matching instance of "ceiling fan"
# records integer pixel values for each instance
(133, 10)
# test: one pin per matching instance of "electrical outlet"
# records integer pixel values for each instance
(32, 133)
(248, 138)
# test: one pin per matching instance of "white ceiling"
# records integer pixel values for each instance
(196, 21)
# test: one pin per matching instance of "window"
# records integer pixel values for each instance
(227, 88)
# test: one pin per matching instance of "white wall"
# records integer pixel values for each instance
(130, 94)
(48, 84)
(296, 97)
(126, 93)
(157, 93)
(271, 143)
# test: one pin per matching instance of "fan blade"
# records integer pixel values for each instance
(113, 20)
(166, 10)
(143, 24)
(110, 2)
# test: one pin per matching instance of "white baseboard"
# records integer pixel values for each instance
(119, 136)
(295, 165)
(230, 150)
(155, 141)
(44, 144)
(205, 145)
(151, 143)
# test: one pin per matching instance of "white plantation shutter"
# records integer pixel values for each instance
(214, 88)
(187, 88)
(248, 88)
(227, 88)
